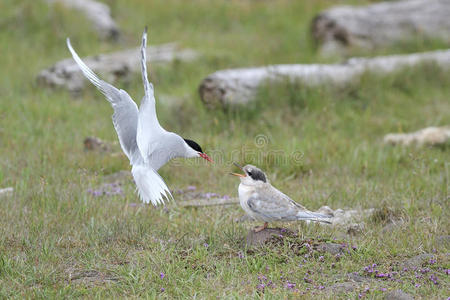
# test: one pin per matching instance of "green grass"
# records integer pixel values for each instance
(321, 146)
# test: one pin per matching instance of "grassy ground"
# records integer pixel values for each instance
(321, 146)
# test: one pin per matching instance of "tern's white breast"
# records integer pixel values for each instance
(245, 192)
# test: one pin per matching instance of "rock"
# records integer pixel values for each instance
(416, 261)
(233, 87)
(91, 278)
(92, 143)
(355, 229)
(398, 295)
(355, 277)
(6, 191)
(110, 67)
(443, 241)
(381, 24)
(430, 136)
(255, 239)
(331, 248)
(343, 287)
(344, 217)
(98, 13)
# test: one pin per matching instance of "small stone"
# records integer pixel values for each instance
(357, 278)
(344, 287)
(443, 241)
(255, 239)
(355, 229)
(92, 143)
(331, 248)
(416, 261)
(398, 295)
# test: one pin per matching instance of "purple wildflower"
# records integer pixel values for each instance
(161, 275)
(191, 188)
(432, 261)
(321, 287)
(321, 258)
(434, 279)
(162, 290)
(290, 285)
(417, 285)
(383, 289)
(205, 245)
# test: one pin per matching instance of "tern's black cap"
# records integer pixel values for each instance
(194, 145)
(255, 173)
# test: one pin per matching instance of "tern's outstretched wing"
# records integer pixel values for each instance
(125, 110)
(275, 205)
(148, 128)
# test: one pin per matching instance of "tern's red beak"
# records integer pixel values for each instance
(203, 155)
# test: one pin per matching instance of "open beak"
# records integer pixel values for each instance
(236, 174)
(237, 165)
(239, 175)
(203, 155)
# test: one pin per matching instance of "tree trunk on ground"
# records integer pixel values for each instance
(381, 24)
(239, 86)
(98, 13)
(110, 67)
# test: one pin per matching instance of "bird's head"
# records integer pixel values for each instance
(252, 175)
(194, 150)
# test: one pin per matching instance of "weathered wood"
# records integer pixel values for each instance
(6, 191)
(110, 67)
(209, 202)
(98, 13)
(430, 136)
(238, 86)
(381, 24)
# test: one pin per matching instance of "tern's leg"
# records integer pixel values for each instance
(261, 228)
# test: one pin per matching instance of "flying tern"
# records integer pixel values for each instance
(262, 202)
(147, 145)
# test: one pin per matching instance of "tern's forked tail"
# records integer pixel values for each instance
(150, 186)
(312, 216)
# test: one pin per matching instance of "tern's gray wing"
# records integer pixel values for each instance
(273, 204)
(125, 110)
(150, 134)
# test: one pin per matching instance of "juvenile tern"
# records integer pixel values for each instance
(262, 202)
(147, 145)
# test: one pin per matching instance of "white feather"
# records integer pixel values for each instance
(150, 185)
(143, 140)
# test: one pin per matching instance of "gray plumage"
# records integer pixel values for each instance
(263, 202)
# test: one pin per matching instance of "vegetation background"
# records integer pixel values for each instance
(58, 239)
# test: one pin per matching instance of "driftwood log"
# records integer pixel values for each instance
(238, 86)
(110, 67)
(98, 13)
(381, 24)
(430, 136)
(6, 191)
